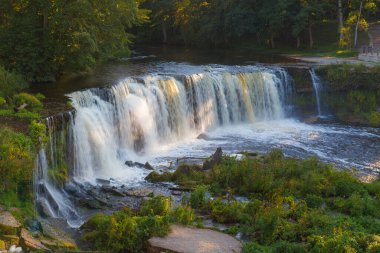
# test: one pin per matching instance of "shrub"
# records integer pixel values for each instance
(183, 214)
(156, 206)
(198, 197)
(24, 98)
(10, 83)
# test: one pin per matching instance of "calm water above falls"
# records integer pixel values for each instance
(156, 117)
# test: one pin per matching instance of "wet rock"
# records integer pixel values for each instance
(103, 181)
(215, 159)
(90, 203)
(33, 225)
(30, 242)
(190, 240)
(311, 120)
(8, 221)
(52, 230)
(203, 136)
(148, 166)
(43, 209)
(112, 190)
(139, 192)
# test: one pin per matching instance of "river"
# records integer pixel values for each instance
(151, 108)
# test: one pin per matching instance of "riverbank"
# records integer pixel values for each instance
(269, 202)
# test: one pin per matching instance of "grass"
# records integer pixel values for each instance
(293, 205)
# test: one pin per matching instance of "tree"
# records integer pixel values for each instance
(43, 39)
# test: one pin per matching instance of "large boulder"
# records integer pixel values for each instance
(215, 159)
(191, 240)
(30, 242)
(8, 221)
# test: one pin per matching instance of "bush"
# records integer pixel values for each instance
(31, 101)
(198, 197)
(10, 83)
(2, 102)
(125, 231)
(156, 206)
(16, 163)
(183, 214)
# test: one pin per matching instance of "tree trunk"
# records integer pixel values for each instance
(45, 21)
(164, 32)
(272, 41)
(298, 42)
(357, 24)
(340, 20)
(311, 41)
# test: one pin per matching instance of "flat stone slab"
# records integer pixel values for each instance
(191, 240)
(8, 220)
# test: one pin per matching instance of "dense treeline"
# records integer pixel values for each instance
(42, 39)
(221, 22)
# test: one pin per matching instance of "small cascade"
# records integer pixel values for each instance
(138, 115)
(317, 89)
(53, 163)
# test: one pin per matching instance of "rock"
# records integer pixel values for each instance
(311, 120)
(139, 192)
(30, 242)
(43, 209)
(191, 240)
(203, 136)
(103, 181)
(23, 106)
(8, 221)
(54, 232)
(33, 225)
(148, 166)
(129, 163)
(15, 249)
(90, 203)
(112, 191)
(215, 159)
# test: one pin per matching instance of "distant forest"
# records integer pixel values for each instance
(44, 39)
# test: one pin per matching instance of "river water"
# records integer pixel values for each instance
(151, 110)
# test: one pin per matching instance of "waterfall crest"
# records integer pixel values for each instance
(136, 116)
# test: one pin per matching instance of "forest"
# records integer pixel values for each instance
(104, 144)
(43, 40)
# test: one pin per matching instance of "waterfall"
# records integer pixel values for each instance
(317, 89)
(138, 115)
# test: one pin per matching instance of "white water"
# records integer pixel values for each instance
(138, 116)
(157, 117)
(317, 89)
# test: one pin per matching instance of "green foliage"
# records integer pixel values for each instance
(198, 198)
(37, 132)
(2, 102)
(125, 231)
(10, 83)
(31, 101)
(156, 206)
(44, 39)
(16, 164)
(183, 214)
(294, 205)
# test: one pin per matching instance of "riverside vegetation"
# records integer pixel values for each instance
(291, 205)
(352, 92)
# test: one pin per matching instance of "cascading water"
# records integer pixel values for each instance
(138, 115)
(317, 89)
